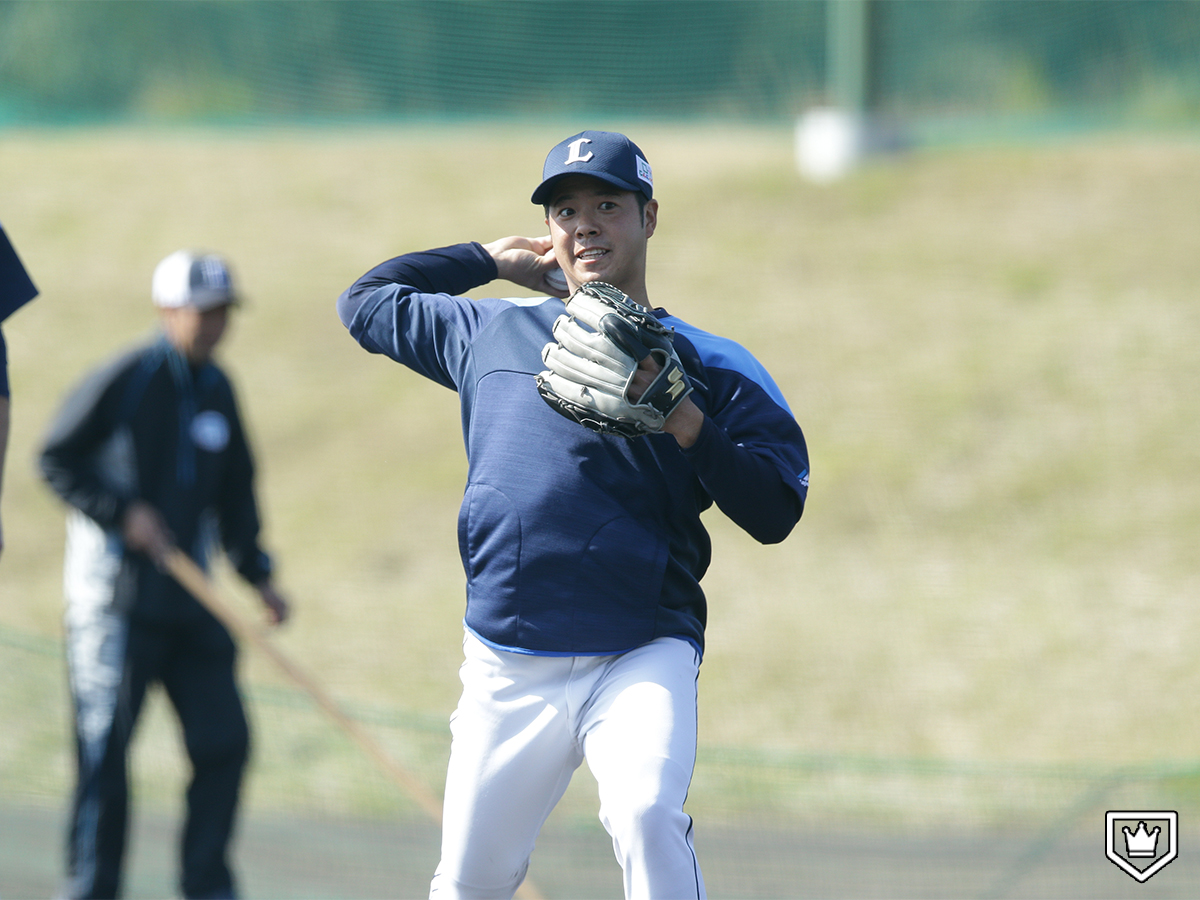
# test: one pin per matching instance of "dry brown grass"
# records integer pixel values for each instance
(992, 353)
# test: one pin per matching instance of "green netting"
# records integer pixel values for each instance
(1130, 60)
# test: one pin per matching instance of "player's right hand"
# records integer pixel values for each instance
(526, 261)
(144, 530)
(278, 609)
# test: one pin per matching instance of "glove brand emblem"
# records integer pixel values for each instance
(575, 156)
(677, 385)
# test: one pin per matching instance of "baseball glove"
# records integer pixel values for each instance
(591, 363)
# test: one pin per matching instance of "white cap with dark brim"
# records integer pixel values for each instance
(200, 280)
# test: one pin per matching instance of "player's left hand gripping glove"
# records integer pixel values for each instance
(592, 361)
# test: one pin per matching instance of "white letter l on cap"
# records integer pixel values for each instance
(574, 156)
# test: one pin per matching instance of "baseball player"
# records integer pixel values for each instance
(149, 452)
(597, 431)
(16, 289)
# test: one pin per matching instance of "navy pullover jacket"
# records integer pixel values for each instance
(147, 426)
(576, 543)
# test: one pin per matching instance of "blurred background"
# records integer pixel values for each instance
(936, 65)
(961, 236)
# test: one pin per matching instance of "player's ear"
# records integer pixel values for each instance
(650, 217)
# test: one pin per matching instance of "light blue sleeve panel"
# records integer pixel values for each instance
(723, 353)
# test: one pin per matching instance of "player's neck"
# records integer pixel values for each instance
(637, 293)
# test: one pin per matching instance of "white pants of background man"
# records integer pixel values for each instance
(523, 726)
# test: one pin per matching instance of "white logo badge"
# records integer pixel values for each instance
(210, 431)
(1141, 843)
(644, 173)
(574, 156)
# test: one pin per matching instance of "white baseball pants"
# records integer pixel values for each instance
(523, 726)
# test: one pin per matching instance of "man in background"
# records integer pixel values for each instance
(150, 454)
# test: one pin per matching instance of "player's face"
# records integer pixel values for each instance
(599, 233)
(193, 333)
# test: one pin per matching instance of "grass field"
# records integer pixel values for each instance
(992, 352)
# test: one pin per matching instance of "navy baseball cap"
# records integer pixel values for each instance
(605, 155)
